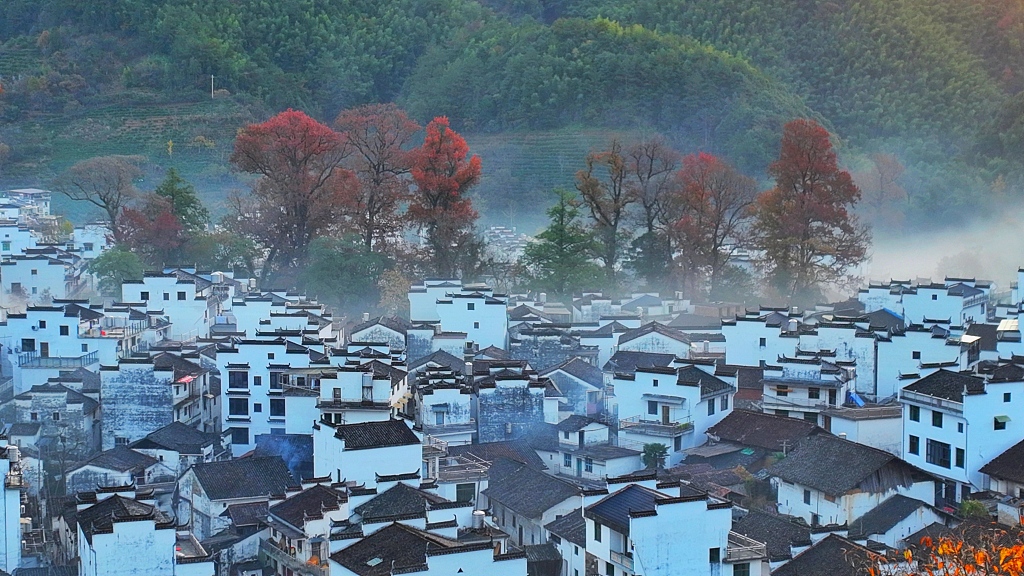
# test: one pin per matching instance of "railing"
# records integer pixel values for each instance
(341, 404)
(34, 360)
(623, 559)
(918, 398)
(451, 428)
(637, 425)
(797, 402)
(119, 332)
(742, 548)
(285, 557)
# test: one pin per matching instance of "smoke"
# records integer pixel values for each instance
(986, 248)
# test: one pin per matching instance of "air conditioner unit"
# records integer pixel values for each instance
(34, 328)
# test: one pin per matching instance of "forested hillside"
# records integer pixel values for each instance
(933, 84)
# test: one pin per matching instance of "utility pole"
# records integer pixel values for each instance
(211, 86)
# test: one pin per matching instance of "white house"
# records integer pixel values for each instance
(136, 398)
(525, 500)
(300, 530)
(803, 387)
(894, 520)
(585, 450)
(119, 466)
(361, 453)
(829, 480)
(179, 446)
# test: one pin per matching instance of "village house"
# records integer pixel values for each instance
(300, 530)
(546, 345)
(569, 535)
(362, 453)
(509, 399)
(119, 466)
(136, 398)
(585, 450)
(65, 416)
(389, 329)
(524, 500)
(803, 387)
(443, 403)
(783, 536)
(179, 446)
(892, 521)
(581, 382)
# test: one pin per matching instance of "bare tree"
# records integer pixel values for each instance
(107, 182)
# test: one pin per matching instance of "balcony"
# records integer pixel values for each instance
(744, 549)
(342, 404)
(289, 560)
(636, 425)
(34, 360)
(116, 332)
(623, 560)
(788, 402)
(932, 401)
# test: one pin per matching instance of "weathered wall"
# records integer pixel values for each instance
(136, 400)
(510, 403)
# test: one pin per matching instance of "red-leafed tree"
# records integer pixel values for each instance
(444, 171)
(707, 215)
(805, 225)
(377, 136)
(301, 190)
(151, 230)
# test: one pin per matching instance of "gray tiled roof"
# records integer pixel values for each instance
(394, 549)
(180, 438)
(399, 500)
(100, 517)
(384, 434)
(526, 490)
(614, 510)
(947, 385)
(1009, 465)
(122, 459)
(310, 503)
(762, 430)
(833, 556)
(572, 527)
(835, 466)
(243, 477)
(885, 516)
(778, 533)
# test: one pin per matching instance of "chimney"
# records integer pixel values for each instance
(366, 316)
(469, 369)
(478, 519)
(542, 297)
(842, 435)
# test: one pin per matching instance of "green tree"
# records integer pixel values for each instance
(654, 455)
(559, 261)
(113, 267)
(185, 204)
(343, 272)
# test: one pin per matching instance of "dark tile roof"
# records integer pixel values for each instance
(627, 361)
(614, 510)
(179, 365)
(440, 358)
(709, 383)
(695, 322)
(653, 328)
(399, 500)
(308, 504)
(179, 438)
(571, 527)
(526, 490)
(122, 459)
(517, 450)
(295, 449)
(72, 397)
(1009, 465)
(778, 533)
(947, 385)
(987, 335)
(543, 560)
(762, 430)
(574, 423)
(883, 517)
(24, 429)
(100, 517)
(383, 434)
(606, 452)
(494, 352)
(884, 320)
(391, 322)
(835, 466)
(90, 380)
(832, 556)
(251, 477)
(252, 514)
(581, 369)
(394, 549)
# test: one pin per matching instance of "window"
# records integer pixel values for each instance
(715, 555)
(814, 393)
(914, 445)
(257, 380)
(999, 422)
(238, 379)
(960, 427)
(959, 457)
(597, 531)
(938, 453)
(56, 416)
(655, 382)
(935, 296)
(1006, 396)
(277, 431)
(762, 342)
(181, 295)
(277, 407)
(567, 460)
(782, 412)
(34, 416)
(609, 569)
(35, 289)
(782, 391)
(439, 418)
(470, 306)
(88, 246)
(35, 272)
(916, 355)
(652, 407)
(275, 381)
(167, 296)
(238, 407)
(64, 330)
(257, 407)
(6, 246)
(711, 406)
(143, 296)
(85, 347)
(725, 403)
(811, 416)
(42, 323)
(120, 441)
(588, 465)
(476, 325)
(741, 570)
(936, 418)
(915, 413)
(465, 492)
(28, 345)
(239, 435)
(807, 496)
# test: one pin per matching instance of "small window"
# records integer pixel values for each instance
(6, 246)
(960, 427)
(277, 407)
(609, 569)
(181, 295)
(239, 435)
(34, 416)
(56, 416)
(88, 246)
(652, 407)
(959, 457)
(1006, 396)
(476, 325)
(741, 570)
(597, 531)
(35, 289)
(465, 492)
(238, 407)
(85, 347)
(120, 441)
(655, 382)
(782, 391)
(916, 355)
(807, 496)
(238, 379)
(914, 445)
(677, 443)
(565, 435)
(257, 380)
(936, 418)
(257, 407)
(724, 403)
(588, 465)
(762, 342)
(814, 393)
(715, 555)
(143, 296)
(567, 460)
(65, 330)
(711, 407)
(470, 306)
(915, 413)
(999, 422)
(935, 296)
(167, 296)
(270, 355)
(35, 272)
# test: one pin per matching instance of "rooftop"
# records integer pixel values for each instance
(526, 490)
(947, 385)
(571, 527)
(762, 430)
(311, 503)
(250, 477)
(1009, 465)
(832, 556)
(885, 516)
(817, 459)
(399, 500)
(395, 549)
(383, 434)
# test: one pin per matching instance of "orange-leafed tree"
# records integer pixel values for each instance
(975, 548)
(708, 216)
(444, 171)
(151, 230)
(605, 186)
(805, 226)
(301, 188)
(377, 136)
